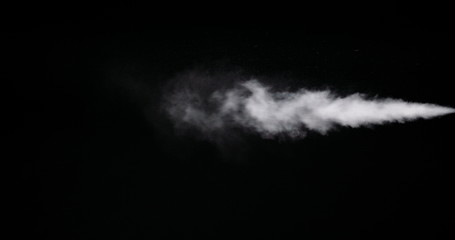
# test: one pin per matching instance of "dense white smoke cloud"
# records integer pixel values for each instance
(253, 106)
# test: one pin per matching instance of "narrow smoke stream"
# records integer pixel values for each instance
(256, 107)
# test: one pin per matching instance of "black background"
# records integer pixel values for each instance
(98, 160)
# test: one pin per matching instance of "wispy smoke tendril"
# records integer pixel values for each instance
(256, 107)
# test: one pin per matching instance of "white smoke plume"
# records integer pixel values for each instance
(253, 106)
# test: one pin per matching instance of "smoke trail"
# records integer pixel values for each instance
(253, 106)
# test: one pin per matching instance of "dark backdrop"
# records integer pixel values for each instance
(99, 161)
